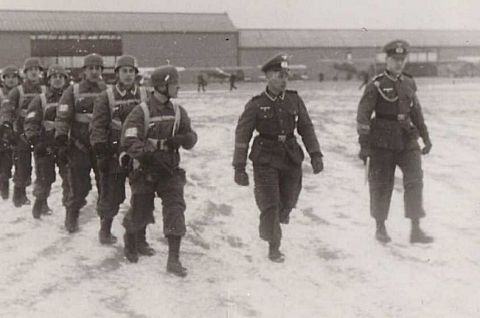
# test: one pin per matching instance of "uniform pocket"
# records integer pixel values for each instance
(261, 151)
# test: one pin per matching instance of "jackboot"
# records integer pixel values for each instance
(37, 208)
(71, 220)
(381, 234)
(274, 253)
(417, 235)
(20, 197)
(130, 248)
(174, 265)
(105, 235)
(5, 189)
(143, 247)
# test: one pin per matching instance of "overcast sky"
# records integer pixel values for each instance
(330, 14)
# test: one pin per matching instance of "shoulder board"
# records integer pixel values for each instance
(291, 91)
(256, 97)
(407, 75)
(378, 76)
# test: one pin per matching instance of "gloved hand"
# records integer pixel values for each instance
(364, 154)
(428, 146)
(317, 162)
(125, 161)
(8, 136)
(175, 142)
(241, 176)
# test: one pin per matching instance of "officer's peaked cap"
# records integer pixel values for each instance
(396, 48)
(278, 62)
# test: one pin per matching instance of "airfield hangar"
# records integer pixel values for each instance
(198, 40)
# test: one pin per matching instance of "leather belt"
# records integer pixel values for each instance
(392, 117)
(281, 138)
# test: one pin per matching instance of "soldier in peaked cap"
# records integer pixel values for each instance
(11, 79)
(40, 133)
(74, 114)
(12, 116)
(277, 157)
(110, 110)
(152, 134)
(389, 139)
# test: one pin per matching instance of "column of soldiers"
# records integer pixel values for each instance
(124, 131)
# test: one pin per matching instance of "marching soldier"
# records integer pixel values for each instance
(152, 135)
(74, 114)
(11, 79)
(390, 139)
(109, 112)
(40, 133)
(12, 116)
(276, 155)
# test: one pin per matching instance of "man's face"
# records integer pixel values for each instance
(33, 74)
(126, 75)
(57, 81)
(170, 90)
(93, 73)
(10, 80)
(396, 63)
(277, 79)
(173, 89)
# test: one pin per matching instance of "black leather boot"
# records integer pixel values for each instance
(381, 234)
(71, 220)
(143, 247)
(105, 235)
(174, 265)
(417, 235)
(20, 197)
(274, 253)
(5, 189)
(130, 248)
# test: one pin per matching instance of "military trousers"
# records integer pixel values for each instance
(6, 164)
(80, 163)
(45, 177)
(169, 188)
(112, 183)
(381, 179)
(276, 194)
(22, 159)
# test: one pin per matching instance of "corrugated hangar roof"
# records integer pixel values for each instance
(276, 38)
(85, 21)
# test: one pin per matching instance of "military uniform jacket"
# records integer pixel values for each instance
(41, 113)
(110, 110)
(137, 139)
(14, 107)
(398, 120)
(275, 118)
(74, 112)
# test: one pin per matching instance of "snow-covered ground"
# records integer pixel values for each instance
(334, 267)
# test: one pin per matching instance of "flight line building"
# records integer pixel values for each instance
(211, 40)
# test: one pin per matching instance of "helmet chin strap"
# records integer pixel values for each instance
(164, 94)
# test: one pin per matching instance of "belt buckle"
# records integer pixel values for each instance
(401, 116)
(282, 138)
